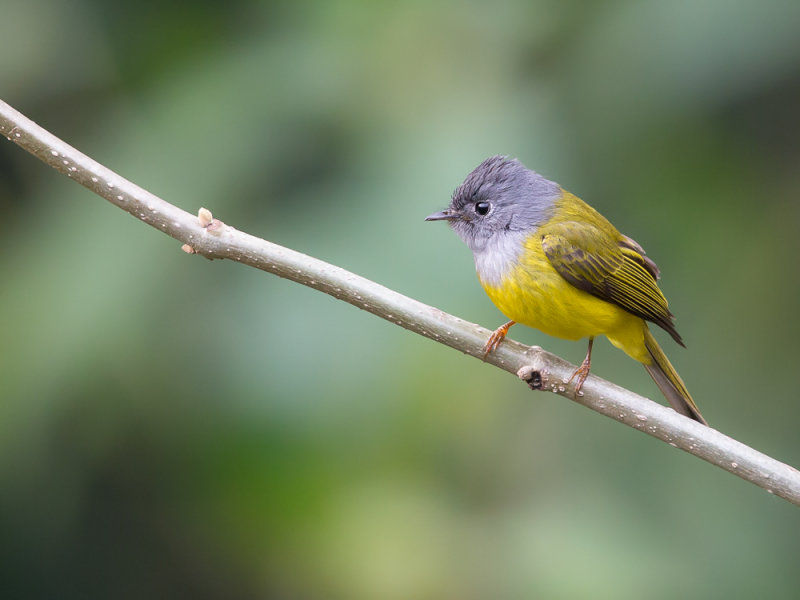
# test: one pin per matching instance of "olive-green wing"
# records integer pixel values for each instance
(614, 270)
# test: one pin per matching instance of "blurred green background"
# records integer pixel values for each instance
(171, 427)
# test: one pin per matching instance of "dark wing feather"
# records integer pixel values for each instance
(616, 271)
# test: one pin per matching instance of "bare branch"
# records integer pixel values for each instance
(205, 235)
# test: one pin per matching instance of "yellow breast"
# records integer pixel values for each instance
(534, 294)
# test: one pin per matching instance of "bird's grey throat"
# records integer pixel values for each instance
(513, 201)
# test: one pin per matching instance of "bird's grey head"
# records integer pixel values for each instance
(499, 202)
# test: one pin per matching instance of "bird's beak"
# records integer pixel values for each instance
(443, 215)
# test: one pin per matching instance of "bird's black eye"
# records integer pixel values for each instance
(481, 208)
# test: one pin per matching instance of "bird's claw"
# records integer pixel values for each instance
(498, 335)
(581, 373)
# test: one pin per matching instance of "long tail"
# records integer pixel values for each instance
(668, 380)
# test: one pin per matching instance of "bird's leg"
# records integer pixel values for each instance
(582, 372)
(495, 339)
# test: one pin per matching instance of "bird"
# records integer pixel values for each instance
(550, 261)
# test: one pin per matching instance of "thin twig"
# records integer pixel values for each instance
(213, 239)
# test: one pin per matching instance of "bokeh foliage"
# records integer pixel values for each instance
(176, 428)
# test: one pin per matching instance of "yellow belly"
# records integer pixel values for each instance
(534, 294)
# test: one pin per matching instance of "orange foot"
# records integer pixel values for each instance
(582, 372)
(494, 340)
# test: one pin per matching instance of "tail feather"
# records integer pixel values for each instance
(668, 380)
